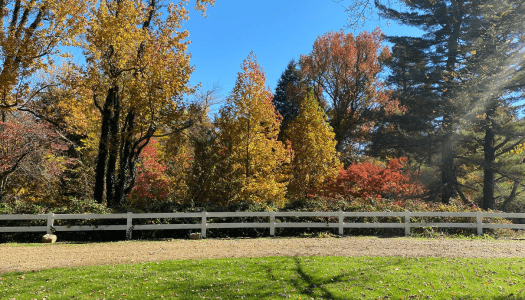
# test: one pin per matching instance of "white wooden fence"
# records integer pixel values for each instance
(273, 218)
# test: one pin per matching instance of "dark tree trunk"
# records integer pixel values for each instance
(125, 155)
(490, 157)
(448, 176)
(512, 196)
(113, 148)
(103, 146)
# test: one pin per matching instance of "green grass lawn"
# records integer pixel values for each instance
(278, 278)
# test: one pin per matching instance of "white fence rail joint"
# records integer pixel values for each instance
(272, 224)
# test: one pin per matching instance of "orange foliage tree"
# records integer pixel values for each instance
(371, 180)
(249, 126)
(343, 70)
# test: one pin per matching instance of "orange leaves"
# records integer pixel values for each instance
(372, 180)
(344, 69)
(145, 54)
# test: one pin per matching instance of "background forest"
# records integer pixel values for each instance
(431, 123)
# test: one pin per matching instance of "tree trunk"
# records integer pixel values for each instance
(125, 156)
(490, 157)
(448, 176)
(101, 160)
(512, 196)
(113, 148)
(3, 183)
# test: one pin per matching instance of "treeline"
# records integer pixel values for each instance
(437, 119)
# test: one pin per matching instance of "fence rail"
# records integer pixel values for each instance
(273, 221)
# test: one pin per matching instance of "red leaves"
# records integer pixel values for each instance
(151, 182)
(31, 156)
(372, 180)
(20, 139)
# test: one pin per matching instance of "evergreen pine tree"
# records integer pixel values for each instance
(287, 95)
(456, 31)
(401, 134)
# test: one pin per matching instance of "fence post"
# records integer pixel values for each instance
(479, 221)
(129, 225)
(407, 223)
(341, 219)
(203, 224)
(272, 223)
(50, 221)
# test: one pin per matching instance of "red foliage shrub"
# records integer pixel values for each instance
(371, 180)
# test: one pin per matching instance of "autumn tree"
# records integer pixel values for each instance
(28, 152)
(343, 69)
(315, 160)
(207, 158)
(152, 183)
(138, 71)
(249, 126)
(30, 32)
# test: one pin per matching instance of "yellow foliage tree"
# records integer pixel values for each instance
(249, 126)
(30, 36)
(313, 141)
(138, 71)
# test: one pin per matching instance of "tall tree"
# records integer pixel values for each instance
(344, 69)
(315, 160)
(286, 96)
(249, 127)
(494, 169)
(30, 32)
(452, 28)
(138, 70)
(401, 134)
(495, 83)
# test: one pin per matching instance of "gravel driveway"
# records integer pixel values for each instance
(46, 256)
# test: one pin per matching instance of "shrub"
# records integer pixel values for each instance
(372, 180)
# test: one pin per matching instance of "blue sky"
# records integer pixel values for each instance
(276, 30)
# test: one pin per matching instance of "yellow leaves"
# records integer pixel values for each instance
(482, 116)
(518, 149)
(315, 158)
(249, 126)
